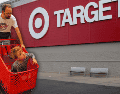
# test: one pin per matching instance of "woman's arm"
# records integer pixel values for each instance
(19, 36)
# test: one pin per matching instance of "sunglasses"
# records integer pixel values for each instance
(8, 13)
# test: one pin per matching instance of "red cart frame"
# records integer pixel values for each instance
(14, 83)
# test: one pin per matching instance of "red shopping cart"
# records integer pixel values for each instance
(12, 82)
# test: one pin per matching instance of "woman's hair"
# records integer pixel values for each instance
(14, 50)
(4, 6)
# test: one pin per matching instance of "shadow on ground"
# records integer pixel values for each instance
(44, 86)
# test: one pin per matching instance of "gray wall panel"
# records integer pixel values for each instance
(62, 58)
(15, 3)
(83, 52)
(64, 67)
(21, 2)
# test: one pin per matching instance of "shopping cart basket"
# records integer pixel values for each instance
(16, 82)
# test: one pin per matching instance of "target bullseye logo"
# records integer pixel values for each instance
(38, 23)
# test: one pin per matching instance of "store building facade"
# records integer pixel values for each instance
(67, 33)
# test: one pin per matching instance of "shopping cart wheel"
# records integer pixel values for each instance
(1, 89)
(1, 92)
(27, 92)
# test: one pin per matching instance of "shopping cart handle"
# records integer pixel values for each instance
(2, 41)
(7, 39)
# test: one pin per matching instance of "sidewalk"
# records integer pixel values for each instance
(110, 81)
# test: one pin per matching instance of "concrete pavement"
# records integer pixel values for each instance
(110, 81)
